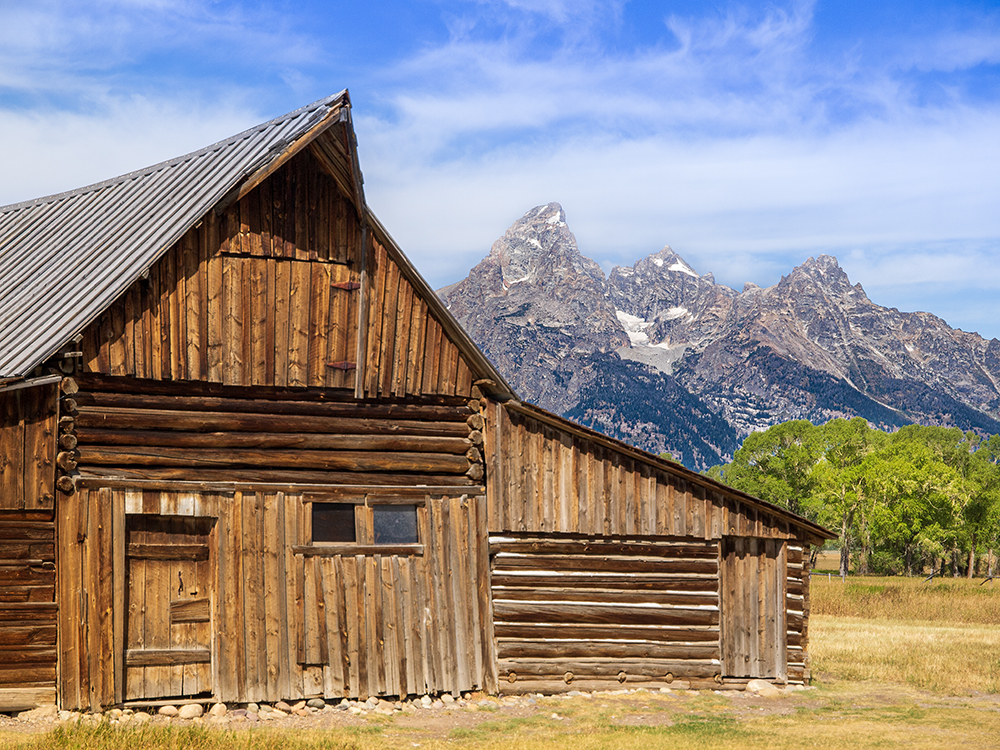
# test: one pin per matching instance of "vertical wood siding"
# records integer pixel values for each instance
(547, 479)
(397, 625)
(264, 294)
(407, 350)
(289, 620)
(753, 585)
(28, 426)
(267, 293)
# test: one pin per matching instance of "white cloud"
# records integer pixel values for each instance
(728, 137)
(53, 48)
(735, 145)
(58, 151)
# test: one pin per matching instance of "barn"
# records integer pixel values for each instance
(246, 454)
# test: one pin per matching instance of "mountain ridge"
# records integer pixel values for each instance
(721, 363)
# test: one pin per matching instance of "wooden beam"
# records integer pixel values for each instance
(335, 550)
(188, 552)
(166, 657)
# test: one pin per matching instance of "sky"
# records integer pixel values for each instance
(747, 136)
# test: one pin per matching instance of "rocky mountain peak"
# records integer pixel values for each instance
(661, 295)
(536, 245)
(666, 358)
(824, 272)
(663, 263)
(535, 304)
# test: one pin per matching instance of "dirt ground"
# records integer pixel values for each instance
(435, 716)
(442, 717)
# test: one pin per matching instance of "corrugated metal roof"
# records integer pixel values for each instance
(65, 258)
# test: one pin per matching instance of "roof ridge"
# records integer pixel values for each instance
(94, 187)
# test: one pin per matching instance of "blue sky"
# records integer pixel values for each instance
(748, 136)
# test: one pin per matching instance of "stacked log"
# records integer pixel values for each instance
(27, 612)
(797, 604)
(577, 613)
(67, 457)
(179, 431)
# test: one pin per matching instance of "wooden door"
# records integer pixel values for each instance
(169, 628)
(753, 623)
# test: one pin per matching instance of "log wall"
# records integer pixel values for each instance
(166, 431)
(27, 610)
(574, 613)
(290, 619)
(547, 477)
(797, 607)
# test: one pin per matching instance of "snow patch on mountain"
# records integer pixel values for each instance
(635, 327)
(681, 267)
(676, 312)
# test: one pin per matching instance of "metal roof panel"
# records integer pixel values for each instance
(65, 258)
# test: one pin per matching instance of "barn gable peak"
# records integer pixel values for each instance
(67, 257)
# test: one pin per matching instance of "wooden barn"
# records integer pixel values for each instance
(246, 454)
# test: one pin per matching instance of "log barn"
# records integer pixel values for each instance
(246, 454)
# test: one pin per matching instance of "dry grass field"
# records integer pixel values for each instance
(897, 662)
(941, 635)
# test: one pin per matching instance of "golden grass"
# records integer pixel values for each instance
(840, 716)
(842, 719)
(828, 561)
(187, 737)
(943, 600)
(846, 716)
(941, 636)
(951, 659)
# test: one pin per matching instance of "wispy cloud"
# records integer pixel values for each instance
(745, 135)
(91, 90)
(70, 52)
(727, 137)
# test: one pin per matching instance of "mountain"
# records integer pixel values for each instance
(667, 359)
(539, 309)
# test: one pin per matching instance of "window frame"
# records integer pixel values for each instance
(364, 513)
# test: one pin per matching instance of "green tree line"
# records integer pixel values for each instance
(921, 498)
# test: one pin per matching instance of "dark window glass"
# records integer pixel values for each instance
(333, 522)
(395, 524)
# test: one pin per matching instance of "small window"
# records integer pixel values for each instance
(394, 524)
(333, 522)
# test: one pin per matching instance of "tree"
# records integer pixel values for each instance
(777, 466)
(898, 501)
(841, 477)
(981, 514)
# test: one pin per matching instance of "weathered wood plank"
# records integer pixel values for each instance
(607, 631)
(168, 657)
(617, 613)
